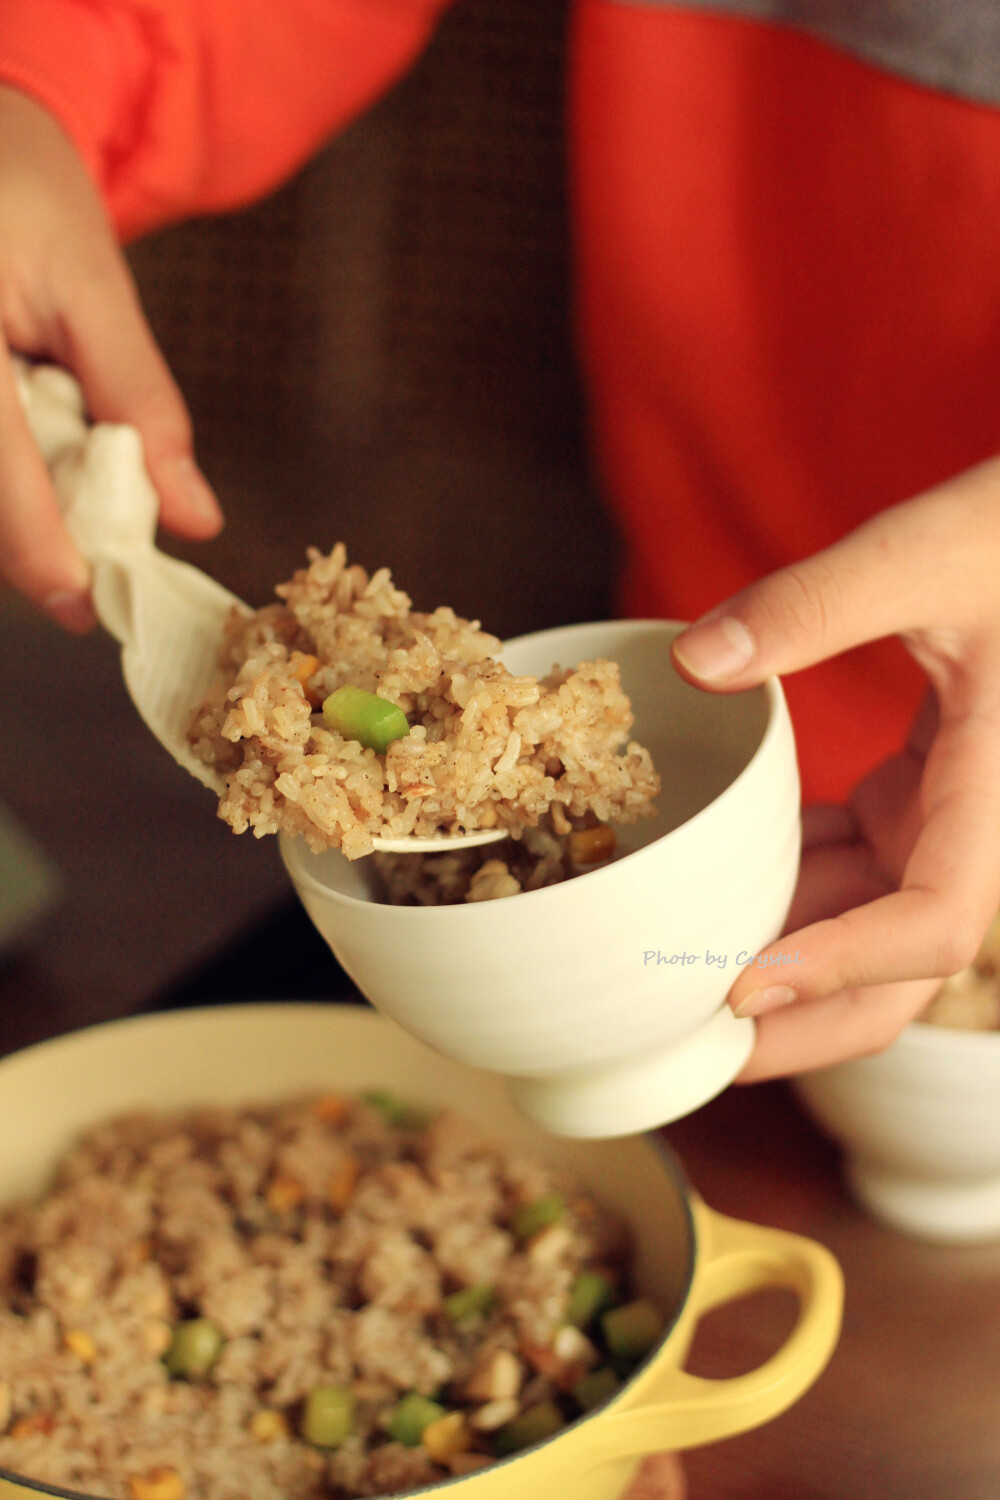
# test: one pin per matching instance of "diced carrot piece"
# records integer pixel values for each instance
(79, 1342)
(447, 1436)
(284, 1192)
(333, 1109)
(342, 1184)
(588, 846)
(543, 1359)
(269, 1426)
(158, 1484)
(303, 667)
(157, 1335)
(564, 1373)
(36, 1421)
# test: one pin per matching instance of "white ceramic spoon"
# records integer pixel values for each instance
(167, 615)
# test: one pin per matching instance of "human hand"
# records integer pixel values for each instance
(661, 1477)
(897, 889)
(66, 295)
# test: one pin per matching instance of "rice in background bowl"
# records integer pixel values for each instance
(970, 1000)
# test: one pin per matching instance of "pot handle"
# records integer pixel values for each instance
(668, 1409)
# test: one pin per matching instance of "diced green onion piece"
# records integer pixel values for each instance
(590, 1294)
(532, 1217)
(194, 1348)
(596, 1388)
(469, 1301)
(373, 721)
(631, 1331)
(531, 1426)
(411, 1416)
(395, 1111)
(328, 1416)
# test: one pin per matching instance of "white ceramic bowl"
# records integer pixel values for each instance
(596, 997)
(920, 1125)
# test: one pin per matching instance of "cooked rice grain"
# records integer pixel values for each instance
(156, 1218)
(486, 873)
(484, 747)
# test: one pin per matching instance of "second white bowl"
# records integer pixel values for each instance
(920, 1123)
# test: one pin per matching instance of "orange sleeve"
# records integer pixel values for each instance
(190, 106)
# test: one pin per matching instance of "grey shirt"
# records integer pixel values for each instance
(953, 45)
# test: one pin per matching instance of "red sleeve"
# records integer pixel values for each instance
(189, 106)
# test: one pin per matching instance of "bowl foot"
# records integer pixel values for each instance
(962, 1212)
(636, 1094)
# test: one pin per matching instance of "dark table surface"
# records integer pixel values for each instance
(909, 1408)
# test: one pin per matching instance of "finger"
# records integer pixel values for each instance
(661, 1477)
(125, 379)
(925, 727)
(906, 569)
(37, 554)
(887, 803)
(828, 823)
(832, 879)
(819, 1033)
(889, 813)
(932, 927)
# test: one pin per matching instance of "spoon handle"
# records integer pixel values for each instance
(167, 616)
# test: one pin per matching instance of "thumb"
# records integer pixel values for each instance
(125, 379)
(929, 563)
(881, 579)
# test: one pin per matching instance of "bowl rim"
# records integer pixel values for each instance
(928, 1035)
(919, 1042)
(296, 854)
(654, 1140)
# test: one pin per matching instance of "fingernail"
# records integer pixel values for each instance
(716, 649)
(197, 491)
(72, 609)
(759, 1002)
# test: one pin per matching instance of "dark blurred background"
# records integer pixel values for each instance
(379, 353)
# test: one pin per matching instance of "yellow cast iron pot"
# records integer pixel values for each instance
(688, 1259)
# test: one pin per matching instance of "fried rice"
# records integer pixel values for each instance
(485, 748)
(970, 999)
(323, 1242)
(539, 858)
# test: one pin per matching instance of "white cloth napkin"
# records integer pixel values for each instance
(167, 615)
